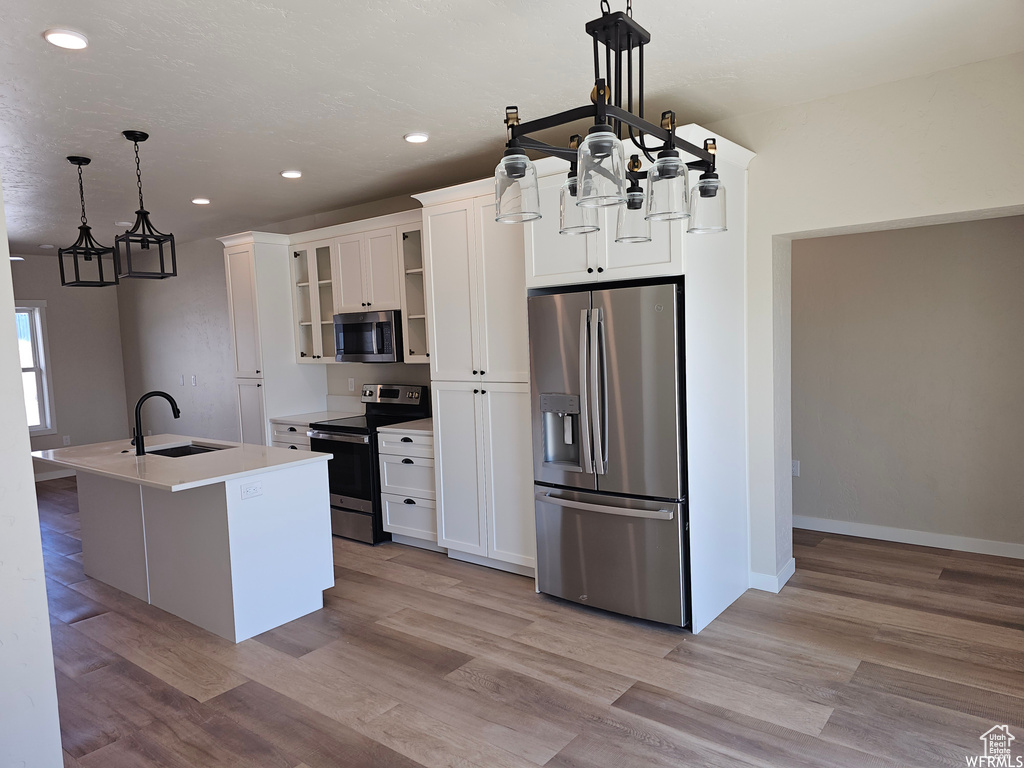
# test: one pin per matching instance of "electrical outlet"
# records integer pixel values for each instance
(66, 439)
(193, 380)
(796, 468)
(252, 490)
(351, 385)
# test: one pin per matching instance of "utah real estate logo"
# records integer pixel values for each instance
(998, 746)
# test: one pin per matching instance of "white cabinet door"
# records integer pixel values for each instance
(508, 462)
(458, 457)
(241, 279)
(503, 344)
(450, 265)
(251, 411)
(349, 279)
(661, 257)
(551, 258)
(381, 270)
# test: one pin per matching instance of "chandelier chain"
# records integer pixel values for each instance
(629, 8)
(605, 6)
(81, 195)
(138, 175)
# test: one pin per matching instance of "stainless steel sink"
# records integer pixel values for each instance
(185, 450)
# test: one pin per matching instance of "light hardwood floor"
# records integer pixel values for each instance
(875, 654)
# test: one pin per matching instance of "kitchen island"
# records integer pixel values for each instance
(234, 538)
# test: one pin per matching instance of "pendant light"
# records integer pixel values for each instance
(574, 219)
(707, 200)
(143, 251)
(603, 179)
(516, 194)
(86, 263)
(633, 226)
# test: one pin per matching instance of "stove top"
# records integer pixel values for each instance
(385, 404)
(361, 425)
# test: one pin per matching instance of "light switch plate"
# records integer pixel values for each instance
(252, 490)
(796, 468)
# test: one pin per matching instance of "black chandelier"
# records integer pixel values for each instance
(86, 263)
(143, 251)
(599, 175)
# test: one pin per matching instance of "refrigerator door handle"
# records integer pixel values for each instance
(584, 417)
(598, 392)
(649, 514)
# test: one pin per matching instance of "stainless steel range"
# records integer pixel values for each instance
(355, 469)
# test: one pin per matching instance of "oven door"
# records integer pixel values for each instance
(368, 337)
(350, 472)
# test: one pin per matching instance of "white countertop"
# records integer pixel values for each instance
(117, 460)
(420, 425)
(305, 419)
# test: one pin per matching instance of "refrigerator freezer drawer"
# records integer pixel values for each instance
(622, 555)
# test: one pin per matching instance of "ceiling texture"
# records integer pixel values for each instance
(235, 91)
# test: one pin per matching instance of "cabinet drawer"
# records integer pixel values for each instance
(292, 446)
(412, 443)
(288, 433)
(409, 516)
(407, 476)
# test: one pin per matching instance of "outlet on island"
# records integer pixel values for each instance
(252, 490)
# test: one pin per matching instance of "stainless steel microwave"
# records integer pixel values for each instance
(368, 337)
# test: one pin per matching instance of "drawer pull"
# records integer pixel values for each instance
(293, 448)
(406, 439)
(292, 429)
(407, 461)
(410, 501)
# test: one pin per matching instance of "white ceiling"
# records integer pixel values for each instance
(234, 92)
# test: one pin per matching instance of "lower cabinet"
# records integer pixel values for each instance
(252, 419)
(484, 470)
(407, 483)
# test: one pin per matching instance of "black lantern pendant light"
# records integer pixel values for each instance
(86, 263)
(143, 251)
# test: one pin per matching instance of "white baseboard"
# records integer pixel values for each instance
(522, 570)
(768, 583)
(411, 541)
(55, 474)
(905, 536)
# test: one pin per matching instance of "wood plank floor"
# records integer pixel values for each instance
(875, 654)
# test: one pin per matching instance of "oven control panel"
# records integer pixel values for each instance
(392, 393)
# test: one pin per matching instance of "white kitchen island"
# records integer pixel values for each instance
(236, 540)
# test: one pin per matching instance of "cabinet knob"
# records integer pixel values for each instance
(483, 372)
(412, 351)
(590, 269)
(410, 501)
(600, 269)
(407, 461)
(303, 354)
(406, 439)
(475, 372)
(257, 370)
(259, 385)
(363, 304)
(483, 391)
(369, 303)
(476, 391)
(428, 354)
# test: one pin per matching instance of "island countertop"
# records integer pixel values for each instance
(117, 460)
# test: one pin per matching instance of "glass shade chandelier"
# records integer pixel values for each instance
(143, 251)
(599, 176)
(86, 263)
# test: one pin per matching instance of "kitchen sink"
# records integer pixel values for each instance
(186, 450)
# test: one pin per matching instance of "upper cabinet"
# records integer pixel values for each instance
(363, 266)
(240, 266)
(553, 259)
(475, 293)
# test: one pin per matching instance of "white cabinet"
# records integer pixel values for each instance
(252, 417)
(240, 267)
(313, 269)
(476, 293)
(407, 483)
(484, 470)
(413, 294)
(553, 259)
(368, 272)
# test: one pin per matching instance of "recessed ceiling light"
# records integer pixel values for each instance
(66, 38)
(46, 247)
(417, 137)
(292, 174)
(200, 201)
(123, 223)
(17, 258)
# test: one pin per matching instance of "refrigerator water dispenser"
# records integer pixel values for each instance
(561, 418)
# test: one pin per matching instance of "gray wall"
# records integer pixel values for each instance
(908, 363)
(180, 326)
(29, 729)
(84, 340)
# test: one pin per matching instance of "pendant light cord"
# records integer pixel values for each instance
(81, 194)
(138, 176)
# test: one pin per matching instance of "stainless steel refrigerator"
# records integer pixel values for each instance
(609, 448)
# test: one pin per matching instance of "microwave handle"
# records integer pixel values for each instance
(376, 331)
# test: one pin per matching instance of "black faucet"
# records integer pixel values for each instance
(140, 443)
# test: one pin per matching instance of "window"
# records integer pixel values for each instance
(30, 319)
